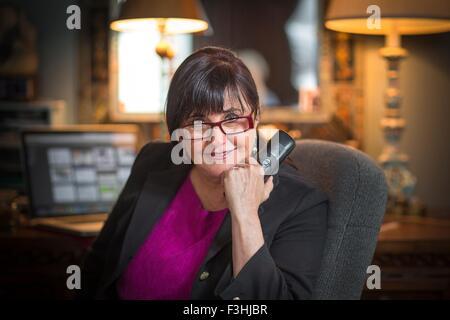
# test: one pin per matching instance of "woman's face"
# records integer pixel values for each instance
(219, 152)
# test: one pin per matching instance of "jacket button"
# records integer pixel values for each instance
(236, 298)
(204, 275)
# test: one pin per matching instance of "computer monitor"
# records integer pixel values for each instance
(77, 170)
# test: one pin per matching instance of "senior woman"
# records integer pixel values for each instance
(209, 229)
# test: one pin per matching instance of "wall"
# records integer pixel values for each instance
(57, 50)
(425, 87)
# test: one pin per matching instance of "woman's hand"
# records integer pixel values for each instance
(245, 189)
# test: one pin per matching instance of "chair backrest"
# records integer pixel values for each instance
(357, 191)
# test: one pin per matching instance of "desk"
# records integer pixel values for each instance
(414, 256)
(33, 263)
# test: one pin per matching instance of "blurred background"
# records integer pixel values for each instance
(83, 86)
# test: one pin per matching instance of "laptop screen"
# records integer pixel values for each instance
(75, 173)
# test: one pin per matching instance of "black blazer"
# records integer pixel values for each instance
(293, 220)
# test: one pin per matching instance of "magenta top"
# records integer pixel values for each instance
(166, 264)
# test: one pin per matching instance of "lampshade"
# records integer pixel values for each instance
(177, 16)
(405, 16)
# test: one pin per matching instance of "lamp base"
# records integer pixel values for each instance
(401, 182)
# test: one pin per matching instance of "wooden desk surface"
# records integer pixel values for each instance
(414, 235)
(406, 228)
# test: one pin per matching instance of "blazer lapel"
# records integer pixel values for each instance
(158, 191)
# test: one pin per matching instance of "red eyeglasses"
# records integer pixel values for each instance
(202, 130)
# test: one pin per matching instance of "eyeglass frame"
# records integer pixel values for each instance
(251, 125)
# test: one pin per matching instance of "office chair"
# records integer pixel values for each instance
(357, 192)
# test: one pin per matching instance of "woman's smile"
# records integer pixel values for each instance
(221, 155)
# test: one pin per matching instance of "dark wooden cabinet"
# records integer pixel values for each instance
(33, 263)
(414, 256)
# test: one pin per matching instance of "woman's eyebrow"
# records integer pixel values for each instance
(196, 116)
(233, 109)
(199, 116)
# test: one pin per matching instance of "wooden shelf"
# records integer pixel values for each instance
(291, 115)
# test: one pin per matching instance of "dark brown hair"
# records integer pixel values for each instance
(201, 81)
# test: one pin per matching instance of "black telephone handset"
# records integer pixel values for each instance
(271, 155)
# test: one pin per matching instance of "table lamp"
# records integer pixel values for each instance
(391, 18)
(168, 17)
